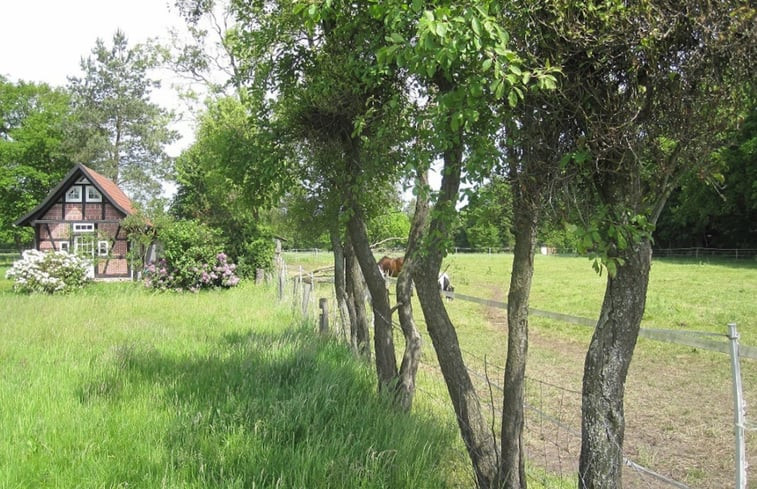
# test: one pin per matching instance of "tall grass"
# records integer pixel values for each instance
(118, 387)
(115, 386)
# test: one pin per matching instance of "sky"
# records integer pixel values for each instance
(45, 40)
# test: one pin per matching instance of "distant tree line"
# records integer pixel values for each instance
(41, 139)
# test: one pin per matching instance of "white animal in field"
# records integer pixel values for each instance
(445, 285)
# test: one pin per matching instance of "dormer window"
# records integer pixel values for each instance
(74, 194)
(93, 195)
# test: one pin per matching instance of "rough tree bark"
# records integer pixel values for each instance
(412, 355)
(474, 428)
(360, 337)
(340, 282)
(386, 361)
(606, 367)
(512, 464)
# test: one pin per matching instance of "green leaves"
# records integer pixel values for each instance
(120, 132)
(396, 38)
(512, 98)
(34, 151)
(609, 235)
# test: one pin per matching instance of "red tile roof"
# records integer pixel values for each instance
(110, 189)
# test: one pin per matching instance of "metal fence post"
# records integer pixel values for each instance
(738, 408)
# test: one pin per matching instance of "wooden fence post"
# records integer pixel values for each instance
(323, 304)
(306, 290)
(277, 253)
(295, 291)
(282, 281)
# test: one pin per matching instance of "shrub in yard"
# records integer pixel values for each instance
(190, 275)
(256, 253)
(192, 259)
(48, 272)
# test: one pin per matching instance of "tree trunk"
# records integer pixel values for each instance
(512, 464)
(360, 337)
(412, 355)
(474, 429)
(606, 367)
(340, 281)
(386, 361)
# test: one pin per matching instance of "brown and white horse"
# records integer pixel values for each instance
(390, 267)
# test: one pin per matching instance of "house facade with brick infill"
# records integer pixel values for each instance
(83, 214)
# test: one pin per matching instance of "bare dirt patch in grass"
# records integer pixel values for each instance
(679, 411)
(679, 405)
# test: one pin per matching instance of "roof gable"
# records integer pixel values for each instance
(109, 190)
(112, 191)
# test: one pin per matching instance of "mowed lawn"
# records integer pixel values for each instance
(115, 386)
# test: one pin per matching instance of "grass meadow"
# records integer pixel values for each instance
(679, 404)
(116, 386)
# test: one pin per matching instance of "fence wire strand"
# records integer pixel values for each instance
(555, 443)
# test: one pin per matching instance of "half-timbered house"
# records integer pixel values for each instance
(83, 214)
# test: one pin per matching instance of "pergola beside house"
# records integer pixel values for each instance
(84, 214)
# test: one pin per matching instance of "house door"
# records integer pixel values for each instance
(84, 245)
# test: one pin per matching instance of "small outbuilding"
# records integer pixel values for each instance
(83, 214)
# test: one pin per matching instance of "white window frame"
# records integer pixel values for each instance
(63, 246)
(97, 197)
(84, 227)
(84, 246)
(103, 248)
(73, 194)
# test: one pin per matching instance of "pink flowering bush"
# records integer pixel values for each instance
(220, 273)
(52, 272)
(192, 259)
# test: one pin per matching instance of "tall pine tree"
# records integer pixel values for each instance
(119, 131)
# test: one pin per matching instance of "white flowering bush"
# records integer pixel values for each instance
(52, 272)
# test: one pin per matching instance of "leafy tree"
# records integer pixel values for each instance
(652, 87)
(393, 223)
(231, 173)
(459, 55)
(299, 220)
(34, 151)
(118, 131)
(712, 212)
(336, 106)
(206, 56)
(486, 220)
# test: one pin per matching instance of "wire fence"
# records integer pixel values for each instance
(552, 431)
(697, 252)
(691, 252)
